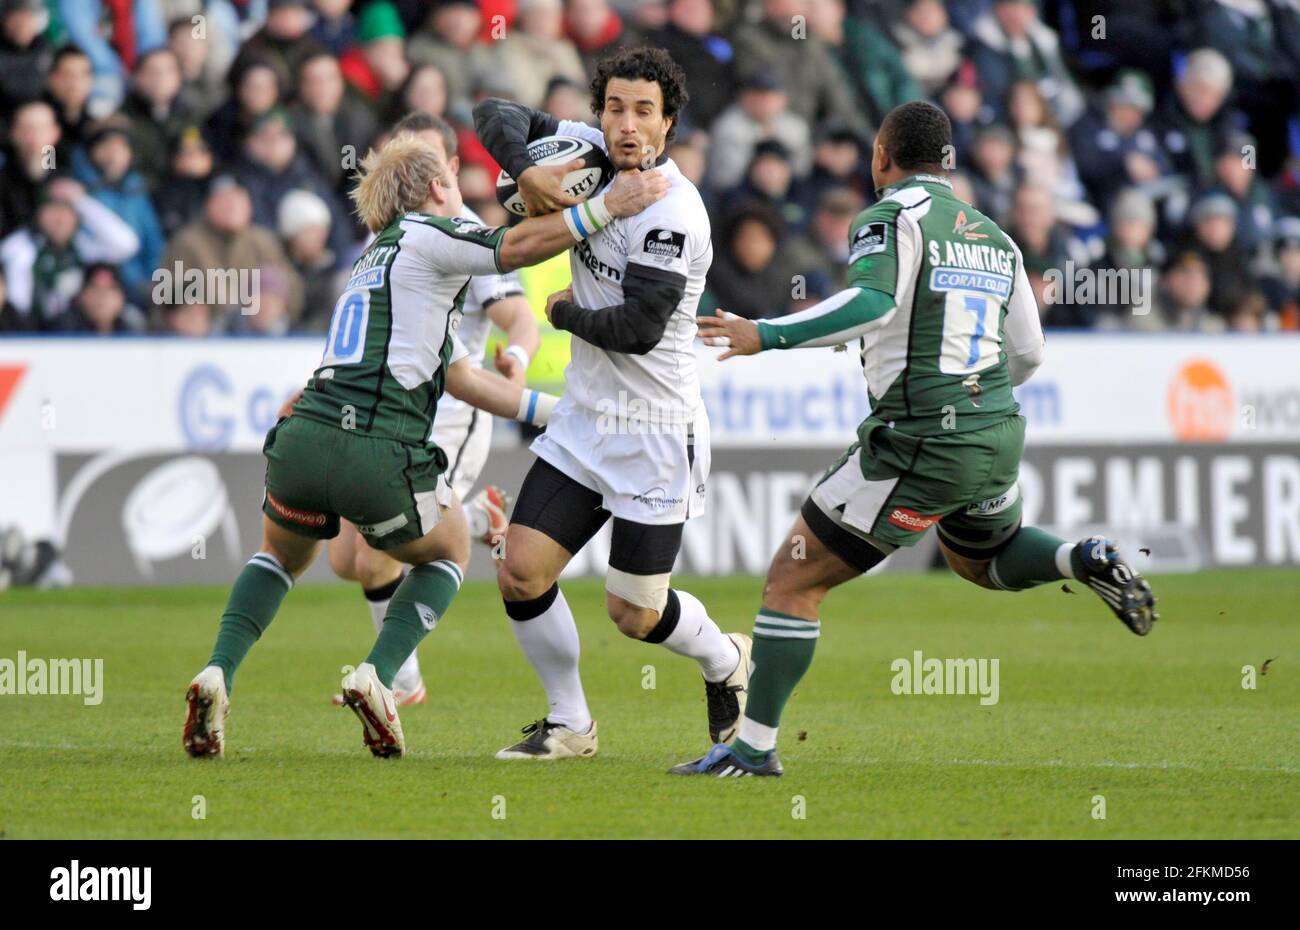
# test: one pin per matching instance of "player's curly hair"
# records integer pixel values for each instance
(643, 64)
(917, 135)
(395, 180)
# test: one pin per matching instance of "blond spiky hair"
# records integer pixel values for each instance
(395, 180)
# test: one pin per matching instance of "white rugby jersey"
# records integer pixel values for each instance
(672, 235)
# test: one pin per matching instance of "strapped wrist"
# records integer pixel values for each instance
(587, 218)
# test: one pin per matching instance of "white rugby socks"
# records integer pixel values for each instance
(697, 636)
(549, 639)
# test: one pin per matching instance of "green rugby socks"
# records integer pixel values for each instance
(254, 599)
(1032, 557)
(419, 602)
(783, 650)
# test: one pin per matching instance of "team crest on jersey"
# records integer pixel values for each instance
(967, 229)
(869, 240)
(664, 244)
(468, 226)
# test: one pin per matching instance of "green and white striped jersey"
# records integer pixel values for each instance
(393, 332)
(939, 298)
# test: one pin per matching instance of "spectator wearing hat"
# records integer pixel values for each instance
(1115, 149)
(257, 87)
(1212, 234)
(179, 200)
(203, 84)
(156, 113)
(706, 55)
(596, 30)
(749, 276)
(1192, 123)
(105, 167)
(1237, 175)
(994, 174)
(822, 252)
(930, 48)
(336, 25)
(327, 117)
(377, 64)
(114, 35)
(284, 39)
(1011, 43)
(1184, 296)
(101, 307)
(25, 54)
(814, 82)
(271, 166)
(34, 136)
(303, 222)
(759, 114)
(44, 261)
(67, 90)
(769, 180)
(226, 239)
(841, 158)
(535, 50)
(449, 39)
(1133, 250)
(1280, 278)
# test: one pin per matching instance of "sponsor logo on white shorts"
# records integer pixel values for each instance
(657, 499)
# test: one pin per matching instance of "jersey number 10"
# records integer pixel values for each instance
(347, 335)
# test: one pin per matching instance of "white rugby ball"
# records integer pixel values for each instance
(558, 150)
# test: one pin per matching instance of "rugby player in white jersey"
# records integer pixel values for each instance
(462, 431)
(629, 438)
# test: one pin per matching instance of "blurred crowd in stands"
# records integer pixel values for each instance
(146, 137)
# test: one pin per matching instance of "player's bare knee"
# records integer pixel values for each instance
(517, 582)
(374, 569)
(796, 600)
(976, 572)
(632, 620)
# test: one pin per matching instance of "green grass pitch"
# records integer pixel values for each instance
(1160, 727)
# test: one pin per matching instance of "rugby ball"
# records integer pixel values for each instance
(557, 150)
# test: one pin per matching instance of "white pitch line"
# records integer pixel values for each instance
(1111, 764)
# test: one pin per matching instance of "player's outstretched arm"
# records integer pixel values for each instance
(538, 238)
(489, 391)
(839, 318)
